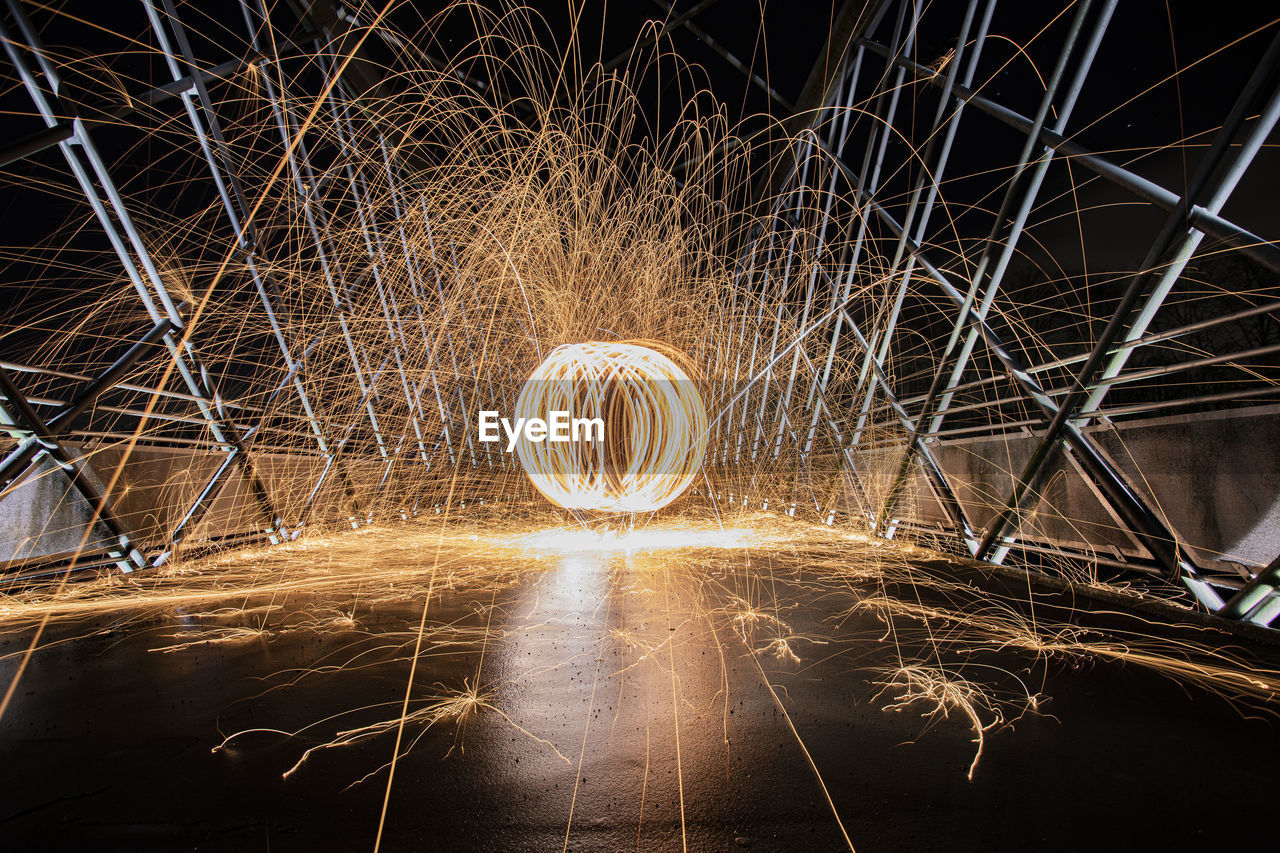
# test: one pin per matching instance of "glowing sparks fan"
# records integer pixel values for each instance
(654, 423)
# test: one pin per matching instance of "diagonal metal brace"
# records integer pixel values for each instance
(129, 556)
(30, 449)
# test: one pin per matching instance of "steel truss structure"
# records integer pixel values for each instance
(984, 371)
(959, 359)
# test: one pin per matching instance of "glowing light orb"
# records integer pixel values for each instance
(655, 427)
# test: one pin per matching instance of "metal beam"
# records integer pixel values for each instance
(1254, 598)
(855, 19)
(27, 451)
(128, 553)
(1069, 407)
(1145, 524)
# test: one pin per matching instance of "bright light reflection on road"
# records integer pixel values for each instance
(654, 538)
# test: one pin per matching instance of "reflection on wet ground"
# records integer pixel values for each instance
(771, 686)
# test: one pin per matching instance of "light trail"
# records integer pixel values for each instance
(675, 712)
(422, 256)
(265, 595)
(652, 420)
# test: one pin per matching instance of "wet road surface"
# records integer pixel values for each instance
(707, 700)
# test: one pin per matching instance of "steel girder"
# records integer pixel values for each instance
(1193, 215)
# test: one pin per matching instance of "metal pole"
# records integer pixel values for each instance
(81, 144)
(1145, 525)
(29, 449)
(130, 557)
(1034, 173)
(1034, 470)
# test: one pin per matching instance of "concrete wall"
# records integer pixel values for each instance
(45, 519)
(1215, 477)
